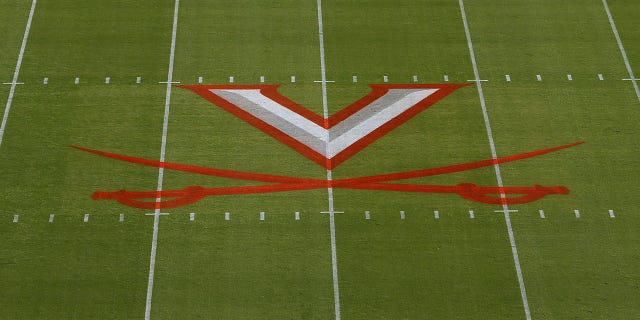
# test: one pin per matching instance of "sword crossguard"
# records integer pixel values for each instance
(472, 192)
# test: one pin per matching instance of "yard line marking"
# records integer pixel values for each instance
(76, 81)
(436, 214)
(293, 79)
(506, 210)
(622, 51)
(163, 148)
(332, 223)
(354, 79)
(539, 77)
(227, 216)
(385, 79)
(611, 214)
(200, 79)
(15, 218)
(629, 79)
(471, 214)
(261, 79)
(138, 79)
(402, 215)
(192, 216)
(569, 77)
(367, 216)
(577, 213)
(121, 219)
(13, 83)
(415, 78)
(477, 80)
(494, 155)
(45, 81)
(541, 214)
(107, 80)
(169, 82)
(600, 76)
(446, 78)
(324, 81)
(231, 79)
(508, 78)
(51, 216)
(297, 215)
(160, 214)
(86, 217)
(16, 72)
(262, 216)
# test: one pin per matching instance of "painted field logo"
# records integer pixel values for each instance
(328, 141)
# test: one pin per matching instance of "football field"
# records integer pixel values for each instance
(319, 159)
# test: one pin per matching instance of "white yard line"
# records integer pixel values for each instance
(165, 125)
(505, 207)
(622, 51)
(16, 72)
(332, 224)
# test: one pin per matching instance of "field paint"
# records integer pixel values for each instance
(192, 216)
(51, 216)
(297, 215)
(261, 79)
(13, 83)
(471, 214)
(354, 79)
(121, 219)
(415, 78)
(16, 72)
(539, 77)
(577, 213)
(45, 81)
(107, 80)
(436, 214)
(262, 216)
(569, 77)
(138, 79)
(231, 79)
(494, 155)
(86, 217)
(600, 76)
(446, 78)
(508, 78)
(621, 47)
(541, 212)
(227, 216)
(402, 216)
(611, 214)
(16, 217)
(367, 215)
(332, 223)
(200, 79)
(163, 148)
(293, 79)
(76, 81)
(385, 79)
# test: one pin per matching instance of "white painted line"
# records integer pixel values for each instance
(168, 82)
(200, 79)
(262, 216)
(293, 79)
(577, 213)
(446, 78)
(76, 81)
(621, 47)
(12, 83)
(508, 78)
(496, 166)
(325, 81)
(261, 79)
(436, 214)
(192, 216)
(86, 217)
(367, 215)
(354, 79)
(107, 80)
(231, 79)
(600, 76)
(121, 219)
(541, 212)
(227, 216)
(163, 148)
(138, 79)
(331, 212)
(51, 216)
(630, 79)
(569, 77)
(402, 216)
(479, 80)
(16, 218)
(471, 214)
(297, 215)
(415, 78)
(16, 71)
(385, 79)
(45, 81)
(539, 77)
(611, 214)
(332, 223)
(505, 211)
(157, 214)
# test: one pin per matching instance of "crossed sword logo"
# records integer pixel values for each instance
(384, 100)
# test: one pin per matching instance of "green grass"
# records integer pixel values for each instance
(421, 267)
